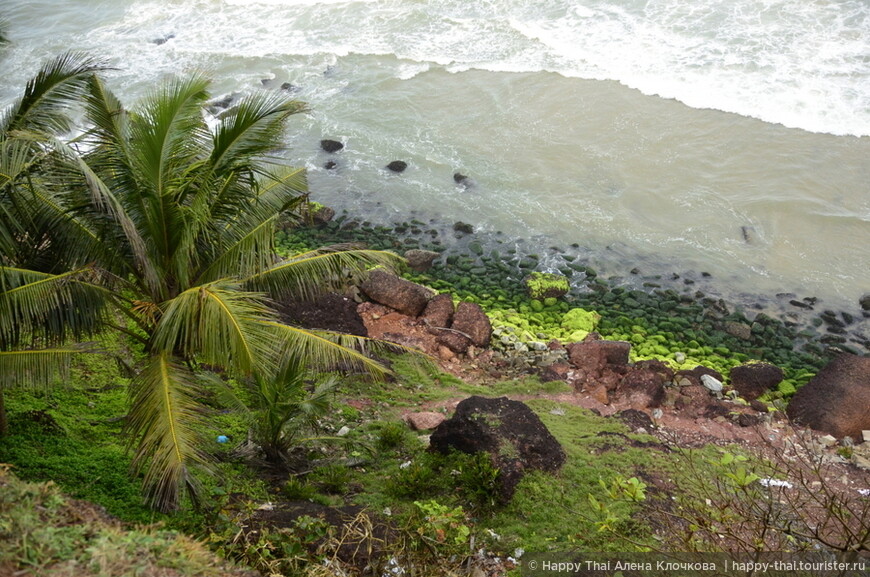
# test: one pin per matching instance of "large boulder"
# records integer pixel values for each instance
(470, 319)
(397, 293)
(754, 379)
(509, 431)
(837, 400)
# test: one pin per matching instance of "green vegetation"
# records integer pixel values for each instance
(163, 230)
(45, 533)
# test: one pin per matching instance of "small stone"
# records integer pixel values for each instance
(424, 420)
(343, 432)
(712, 384)
(828, 440)
(866, 436)
(680, 358)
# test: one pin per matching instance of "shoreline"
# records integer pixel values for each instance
(663, 314)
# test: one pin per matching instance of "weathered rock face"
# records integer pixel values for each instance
(420, 260)
(755, 379)
(397, 293)
(470, 319)
(509, 431)
(837, 399)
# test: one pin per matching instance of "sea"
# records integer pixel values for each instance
(662, 136)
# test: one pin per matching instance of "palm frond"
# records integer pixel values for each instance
(38, 367)
(169, 133)
(251, 129)
(329, 351)
(35, 305)
(48, 95)
(307, 275)
(218, 324)
(163, 422)
(245, 255)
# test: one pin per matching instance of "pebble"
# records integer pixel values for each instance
(713, 384)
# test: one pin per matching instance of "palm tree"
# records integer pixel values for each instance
(43, 307)
(167, 228)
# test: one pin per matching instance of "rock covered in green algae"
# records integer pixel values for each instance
(546, 285)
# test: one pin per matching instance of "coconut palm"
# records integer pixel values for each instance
(169, 226)
(45, 305)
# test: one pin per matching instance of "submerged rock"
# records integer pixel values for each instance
(331, 145)
(397, 166)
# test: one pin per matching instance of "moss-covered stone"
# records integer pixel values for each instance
(543, 285)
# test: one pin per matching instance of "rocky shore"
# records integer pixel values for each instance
(657, 348)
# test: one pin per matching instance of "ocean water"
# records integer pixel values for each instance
(725, 136)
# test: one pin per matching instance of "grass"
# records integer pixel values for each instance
(44, 533)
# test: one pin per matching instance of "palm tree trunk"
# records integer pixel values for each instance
(4, 425)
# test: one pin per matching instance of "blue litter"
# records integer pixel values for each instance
(222, 439)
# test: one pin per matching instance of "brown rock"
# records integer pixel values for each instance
(754, 379)
(456, 342)
(642, 388)
(599, 353)
(425, 420)
(558, 371)
(420, 260)
(439, 311)
(397, 293)
(740, 330)
(837, 399)
(470, 319)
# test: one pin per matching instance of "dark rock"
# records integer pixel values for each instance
(321, 214)
(462, 180)
(163, 39)
(755, 379)
(470, 319)
(330, 164)
(420, 260)
(463, 227)
(289, 87)
(513, 436)
(837, 399)
(636, 419)
(439, 311)
(330, 312)
(800, 304)
(331, 145)
(397, 166)
(864, 301)
(747, 420)
(397, 293)
(558, 371)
